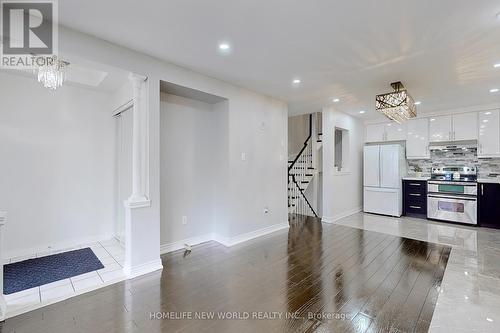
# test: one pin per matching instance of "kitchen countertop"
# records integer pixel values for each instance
(417, 178)
(489, 180)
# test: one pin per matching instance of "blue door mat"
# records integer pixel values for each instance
(35, 272)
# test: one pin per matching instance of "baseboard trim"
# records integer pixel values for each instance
(337, 217)
(178, 245)
(142, 269)
(57, 246)
(226, 241)
(231, 241)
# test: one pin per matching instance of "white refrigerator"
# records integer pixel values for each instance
(384, 168)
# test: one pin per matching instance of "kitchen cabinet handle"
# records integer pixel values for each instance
(416, 207)
(482, 189)
(454, 135)
(416, 194)
(414, 184)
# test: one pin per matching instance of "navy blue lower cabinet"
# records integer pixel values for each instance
(415, 198)
(489, 205)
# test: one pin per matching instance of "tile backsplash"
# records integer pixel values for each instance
(485, 166)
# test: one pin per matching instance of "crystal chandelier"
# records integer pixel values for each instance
(51, 71)
(398, 105)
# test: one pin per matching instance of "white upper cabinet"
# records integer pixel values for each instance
(385, 132)
(465, 126)
(454, 128)
(395, 132)
(441, 129)
(489, 134)
(375, 133)
(417, 140)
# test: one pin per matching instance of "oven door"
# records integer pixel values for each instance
(452, 208)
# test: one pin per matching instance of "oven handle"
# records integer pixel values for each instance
(451, 197)
(453, 183)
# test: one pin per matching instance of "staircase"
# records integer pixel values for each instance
(300, 174)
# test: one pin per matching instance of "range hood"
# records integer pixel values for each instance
(454, 146)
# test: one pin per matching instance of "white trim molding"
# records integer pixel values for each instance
(333, 219)
(57, 247)
(3, 305)
(178, 245)
(231, 241)
(137, 203)
(142, 269)
(226, 241)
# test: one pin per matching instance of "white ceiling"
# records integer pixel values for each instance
(86, 74)
(443, 51)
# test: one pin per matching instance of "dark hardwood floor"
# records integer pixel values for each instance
(315, 278)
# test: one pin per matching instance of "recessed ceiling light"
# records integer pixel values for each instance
(489, 319)
(389, 125)
(497, 65)
(494, 90)
(296, 81)
(433, 119)
(485, 120)
(336, 100)
(362, 111)
(417, 103)
(224, 46)
(487, 113)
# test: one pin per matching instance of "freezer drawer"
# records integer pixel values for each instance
(383, 201)
(453, 209)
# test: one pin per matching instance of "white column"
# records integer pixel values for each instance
(3, 306)
(140, 136)
(142, 227)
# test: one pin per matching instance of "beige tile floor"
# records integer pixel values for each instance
(110, 253)
(469, 299)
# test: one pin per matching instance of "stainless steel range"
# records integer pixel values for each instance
(452, 194)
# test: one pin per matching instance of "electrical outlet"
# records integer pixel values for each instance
(184, 220)
(266, 210)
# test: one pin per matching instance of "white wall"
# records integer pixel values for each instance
(342, 192)
(258, 128)
(190, 145)
(298, 130)
(58, 162)
(198, 168)
(248, 185)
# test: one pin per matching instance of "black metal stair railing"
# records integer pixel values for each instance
(301, 166)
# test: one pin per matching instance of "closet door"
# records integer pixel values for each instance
(124, 169)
